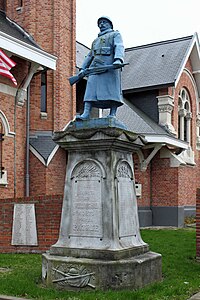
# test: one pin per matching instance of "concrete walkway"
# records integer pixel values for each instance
(2, 297)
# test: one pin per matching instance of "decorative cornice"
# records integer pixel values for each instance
(165, 108)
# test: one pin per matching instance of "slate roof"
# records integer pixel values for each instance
(156, 64)
(43, 144)
(13, 29)
(136, 121)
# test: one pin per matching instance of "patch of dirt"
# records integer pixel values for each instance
(5, 270)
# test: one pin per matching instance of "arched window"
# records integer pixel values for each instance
(184, 116)
(5, 133)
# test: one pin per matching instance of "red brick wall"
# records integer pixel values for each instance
(163, 185)
(56, 173)
(8, 144)
(1, 4)
(144, 179)
(198, 224)
(164, 182)
(187, 185)
(14, 146)
(48, 180)
(36, 122)
(52, 24)
(48, 212)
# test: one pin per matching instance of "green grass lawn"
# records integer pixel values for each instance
(181, 272)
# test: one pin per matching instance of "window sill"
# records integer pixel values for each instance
(43, 116)
(19, 9)
(3, 180)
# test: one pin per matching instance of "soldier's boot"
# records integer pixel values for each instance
(113, 112)
(86, 113)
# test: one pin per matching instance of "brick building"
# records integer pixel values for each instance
(40, 39)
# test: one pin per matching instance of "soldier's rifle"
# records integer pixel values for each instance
(94, 70)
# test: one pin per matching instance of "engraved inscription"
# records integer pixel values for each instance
(24, 225)
(86, 207)
(127, 207)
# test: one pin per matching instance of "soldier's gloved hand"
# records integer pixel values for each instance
(117, 63)
(81, 72)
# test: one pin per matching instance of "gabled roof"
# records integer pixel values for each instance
(14, 39)
(155, 65)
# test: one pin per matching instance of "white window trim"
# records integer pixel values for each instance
(4, 179)
(8, 133)
(6, 125)
(185, 114)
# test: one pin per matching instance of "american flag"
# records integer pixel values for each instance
(5, 65)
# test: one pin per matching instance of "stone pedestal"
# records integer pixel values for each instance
(99, 245)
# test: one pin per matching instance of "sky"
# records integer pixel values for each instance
(140, 22)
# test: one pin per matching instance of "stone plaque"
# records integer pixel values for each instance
(127, 207)
(24, 225)
(86, 206)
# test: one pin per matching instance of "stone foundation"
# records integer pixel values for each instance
(94, 274)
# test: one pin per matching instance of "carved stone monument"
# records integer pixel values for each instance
(24, 231)
(99, 245)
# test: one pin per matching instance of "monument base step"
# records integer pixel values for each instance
(77, 274)
(99, 253)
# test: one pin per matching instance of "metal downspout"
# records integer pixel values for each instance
(151, 192)
(27, 142)
(15, 159)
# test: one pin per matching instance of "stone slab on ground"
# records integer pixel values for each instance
(2, 297)
(195, 297)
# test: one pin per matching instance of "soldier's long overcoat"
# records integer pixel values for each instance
(104, 88)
